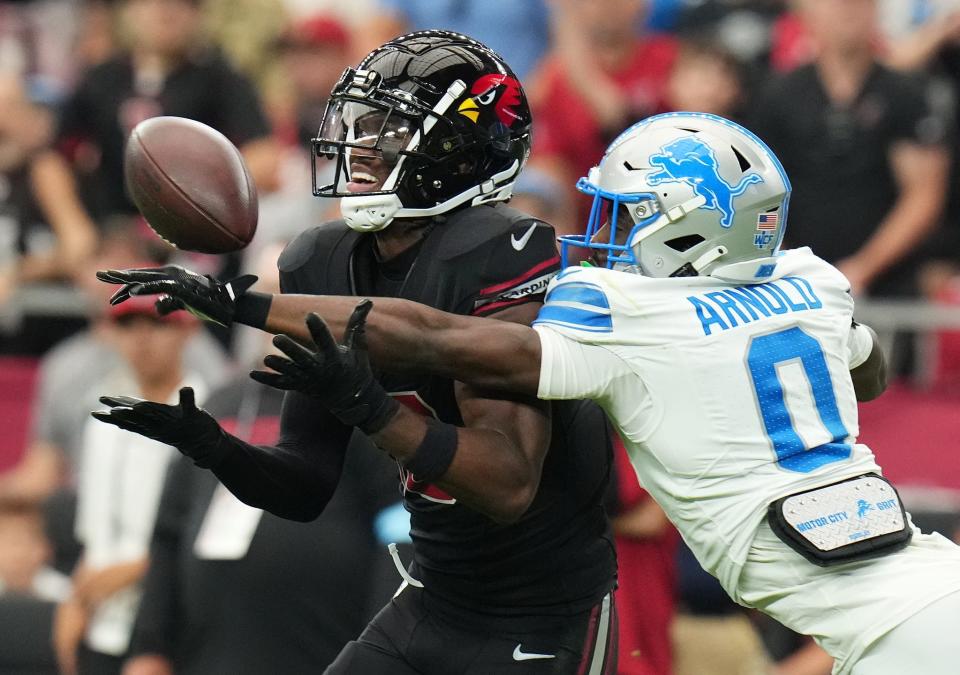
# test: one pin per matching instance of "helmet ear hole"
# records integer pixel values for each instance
(685, 243)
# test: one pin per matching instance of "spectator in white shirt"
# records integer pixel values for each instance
(118, 489)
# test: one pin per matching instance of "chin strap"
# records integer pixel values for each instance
(753, 271)
(372, 213)
(708, 257)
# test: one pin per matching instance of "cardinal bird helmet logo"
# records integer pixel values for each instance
(495, 91)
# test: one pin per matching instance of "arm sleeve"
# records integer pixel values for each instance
(155, 628)
(859, 346)
(297, 477)
(573, 369)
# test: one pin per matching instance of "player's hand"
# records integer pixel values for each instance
(338, 376)
(179, 288)
(192, 430)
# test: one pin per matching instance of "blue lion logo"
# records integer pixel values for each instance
(862, 507)
(689, 160)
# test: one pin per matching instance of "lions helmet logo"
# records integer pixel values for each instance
(689, 160)
(496, 91)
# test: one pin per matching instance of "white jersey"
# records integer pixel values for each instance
(727, 398)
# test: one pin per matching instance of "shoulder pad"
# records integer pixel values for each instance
(470, 228)
(577, 300)
(306, 244)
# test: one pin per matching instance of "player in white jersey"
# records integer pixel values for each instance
(732, 371)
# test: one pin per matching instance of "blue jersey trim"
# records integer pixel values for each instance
(577, 318)
(579, 292)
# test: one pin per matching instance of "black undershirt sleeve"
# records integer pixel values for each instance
(297, 477)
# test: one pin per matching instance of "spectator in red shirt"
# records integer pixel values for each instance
(646, 559)
(601, 77)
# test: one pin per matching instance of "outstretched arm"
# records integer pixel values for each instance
(293, 479)
(402, 335)
(408, 336)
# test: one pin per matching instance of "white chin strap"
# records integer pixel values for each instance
(372, 213)
(753, 271)
(369, 214)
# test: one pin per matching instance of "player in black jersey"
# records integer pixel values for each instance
(514, 565)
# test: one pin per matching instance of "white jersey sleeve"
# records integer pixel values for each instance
(571, 369)
(859, 345)
(572, 324)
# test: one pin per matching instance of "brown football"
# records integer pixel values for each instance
(191, 185)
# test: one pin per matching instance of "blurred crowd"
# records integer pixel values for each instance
(122, 571)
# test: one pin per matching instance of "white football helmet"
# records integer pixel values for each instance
(703, 196)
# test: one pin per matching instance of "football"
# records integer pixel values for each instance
(191, 185)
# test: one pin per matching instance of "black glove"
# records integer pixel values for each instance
(339, 377)
(201, 295)
(190, 429)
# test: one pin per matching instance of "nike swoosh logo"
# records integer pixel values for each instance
(519, 244)
(519, 655)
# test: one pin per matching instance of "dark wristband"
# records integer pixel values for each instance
(435, 453)
(252, 308)
(209, 450)
(375, 411)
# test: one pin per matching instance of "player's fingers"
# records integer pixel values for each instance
(148, 273)
(117, 419)
(322, 337)
(355, 336)
(122, 401)
(162, 286)
(187, 399)
(281, 365)
(106, 416)
(297, 352)
(122, 294)
(134, 275)
(123, 276)
(167, 304)
(110, 277)
(142, 416)
(275, 380)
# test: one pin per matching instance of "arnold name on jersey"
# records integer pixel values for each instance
(731, 307)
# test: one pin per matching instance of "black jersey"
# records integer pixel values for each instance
(559, 557)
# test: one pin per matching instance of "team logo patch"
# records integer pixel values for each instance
(496, 92)
(765, 271)
(691, 161)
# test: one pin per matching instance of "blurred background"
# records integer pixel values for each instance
(858, 98)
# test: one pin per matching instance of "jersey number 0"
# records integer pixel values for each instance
(764, 355)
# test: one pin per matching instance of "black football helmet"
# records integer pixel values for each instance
(428, 123)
